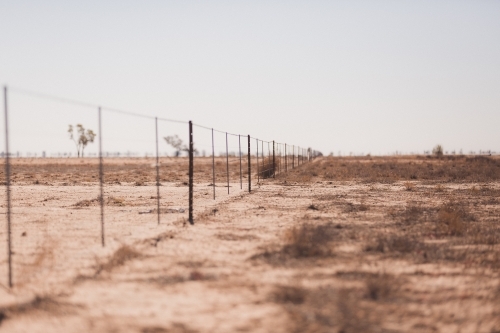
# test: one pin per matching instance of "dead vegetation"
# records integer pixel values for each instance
(174, 328)
(268, 167)
(39, 304)
(305, 241)
(400, 168)
(329, 309)
(309, 240)
(108, 201)
(123, 254)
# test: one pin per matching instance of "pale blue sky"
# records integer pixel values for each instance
(360, 76)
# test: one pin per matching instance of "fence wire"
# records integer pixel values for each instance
(146, 165)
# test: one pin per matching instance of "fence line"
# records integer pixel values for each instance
(265, 169)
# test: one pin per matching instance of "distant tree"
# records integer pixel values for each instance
(438, 151)
(175, 142)
(81, 138)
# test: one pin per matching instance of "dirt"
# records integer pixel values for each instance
(316, 249)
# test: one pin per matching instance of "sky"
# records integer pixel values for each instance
(338, 76)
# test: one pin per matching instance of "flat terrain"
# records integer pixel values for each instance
(382, 244)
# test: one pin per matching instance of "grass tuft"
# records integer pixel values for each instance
(120, 257)
(309, 240)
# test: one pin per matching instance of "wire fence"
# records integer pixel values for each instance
(211, 166)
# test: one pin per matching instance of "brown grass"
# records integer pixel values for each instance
(267, 168)
(452, 217)
(308, 240)
(289, 294)
(411, 214)
(123, 254)
(381, 286)
(45, 303)
(326, 309)
(409, 186)
(390, 243)
(404, 168)
(352, 208)
(109, 201)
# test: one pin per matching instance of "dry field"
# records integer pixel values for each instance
(372, 244)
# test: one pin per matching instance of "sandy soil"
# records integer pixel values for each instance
(302, 253)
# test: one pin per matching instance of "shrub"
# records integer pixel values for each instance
(309, 240)
(438, 151)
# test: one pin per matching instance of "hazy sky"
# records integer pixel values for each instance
(361, 76)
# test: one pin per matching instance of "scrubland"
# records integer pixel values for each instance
(340, 244)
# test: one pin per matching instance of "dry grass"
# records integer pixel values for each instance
(308, 240)
(409, 186)
(381, 286)
(411, 214)
(268, 167)
(391, 243)
(109, 201)
(123, 254)
(352, 208)
(289, 294)
(174, 328)
(305, 241)
(439, 188)
(326, 309)
(452, 218)
(401, 168)
(47, 304)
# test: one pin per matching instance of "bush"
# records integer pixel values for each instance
(438, 151)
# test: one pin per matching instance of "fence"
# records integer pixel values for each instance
(241, 160)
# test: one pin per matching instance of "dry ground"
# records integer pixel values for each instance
(394, 244)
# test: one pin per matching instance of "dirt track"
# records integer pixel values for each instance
(294, 256)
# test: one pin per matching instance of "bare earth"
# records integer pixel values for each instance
(406, 244)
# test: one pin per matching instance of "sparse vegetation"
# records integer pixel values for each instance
(438, 151)
(308, 240)
(452, 217)
(409, 186)
(81, 138)
(123, 254)
(268, 167)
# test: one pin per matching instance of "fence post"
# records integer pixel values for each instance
(227, 165)
(249, 168)
(258, 175)
(213, 162)
(274, 163)
(268, 157)
(190, 218)
(286, 166)
(7, 183)
(157, 171)
(241, 176)
(101, 179)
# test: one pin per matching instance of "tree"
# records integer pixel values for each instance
(178, 145)
(81, 138)
(438, 151)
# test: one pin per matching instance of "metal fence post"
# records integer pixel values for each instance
(157, 171)
(241, 176)
(268, 169)
(257, 145)
(213, 162)
(286, 166)
(190, 217)
(7, 183)
(101, 179)
(227, 165)
(249, 168)
(274, 163)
